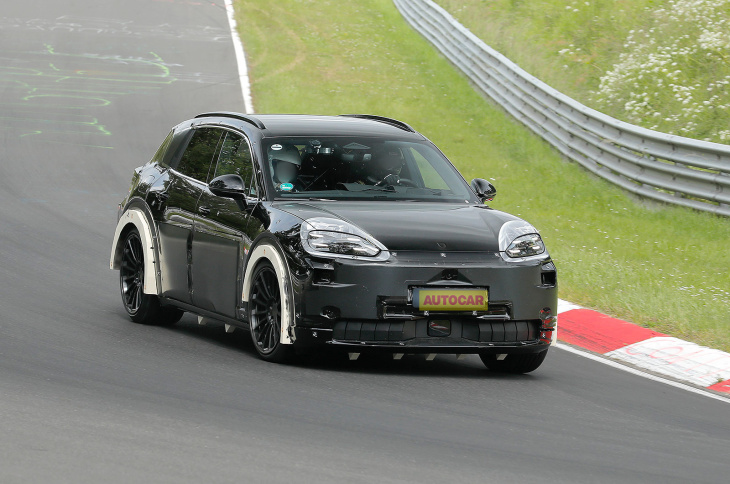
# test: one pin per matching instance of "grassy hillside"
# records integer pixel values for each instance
(661, 64)
(662, 267)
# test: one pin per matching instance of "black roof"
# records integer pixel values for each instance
(315, 125)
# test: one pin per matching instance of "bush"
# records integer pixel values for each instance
(660, 64)
(674, 73)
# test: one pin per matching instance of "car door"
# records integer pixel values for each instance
(179, 200)
(219, 238)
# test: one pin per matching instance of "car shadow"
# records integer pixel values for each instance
(331, 360)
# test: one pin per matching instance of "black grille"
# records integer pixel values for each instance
(374, 330)
(500, 331)
(392, 330)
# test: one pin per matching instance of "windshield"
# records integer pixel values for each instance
(344, 168)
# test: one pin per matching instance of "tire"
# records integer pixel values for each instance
(515, 364)
(142, 308)
(264, 314)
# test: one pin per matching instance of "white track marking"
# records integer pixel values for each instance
(620, 366)
(678, 359)
(564, 306)
(240, 59)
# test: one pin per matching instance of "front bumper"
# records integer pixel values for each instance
(412, 337)
(362, 304)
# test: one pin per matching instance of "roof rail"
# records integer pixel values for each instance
(382, 119)
(228, 114)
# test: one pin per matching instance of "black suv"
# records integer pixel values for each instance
(351, 232)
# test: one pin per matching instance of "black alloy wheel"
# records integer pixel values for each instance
(141, 308)
(132, 273)
(264, 307)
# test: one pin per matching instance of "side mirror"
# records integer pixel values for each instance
(228, 186)
(484, 190)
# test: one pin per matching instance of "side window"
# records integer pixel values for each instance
(430, 176)
(196, 160)
(235, 159)
(174, 150)
(159, 155)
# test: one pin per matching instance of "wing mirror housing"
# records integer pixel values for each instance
(228, 186)
(484, 190)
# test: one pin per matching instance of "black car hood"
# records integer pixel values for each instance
(419, 226)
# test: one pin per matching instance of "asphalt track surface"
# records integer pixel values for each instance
(88, 89)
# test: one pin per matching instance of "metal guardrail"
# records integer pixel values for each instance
(660, 166)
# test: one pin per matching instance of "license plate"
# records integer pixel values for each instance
(450, 299)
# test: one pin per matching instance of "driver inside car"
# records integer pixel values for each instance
(385, 167)
(286, 163)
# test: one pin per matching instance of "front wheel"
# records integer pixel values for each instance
(141, 308)
(524, 363)
(264, 314)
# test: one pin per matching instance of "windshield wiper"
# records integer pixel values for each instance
(389, 188)
(439, 191)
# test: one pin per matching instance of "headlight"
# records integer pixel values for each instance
(519, 240)
(526, 246)
(339, 243)
(329, 237)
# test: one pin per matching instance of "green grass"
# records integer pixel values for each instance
(662, 267)
(661, 64)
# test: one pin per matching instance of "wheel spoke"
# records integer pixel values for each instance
(264, 287)
(261, 294)
(256, 299)
(275, 334)
(270, 336)
(132, 253)
(127, 294)
(137, 248)
(258, 313)
(273, 284)
(127, 265)
(133, 301)
(263, 328)
(138, 299)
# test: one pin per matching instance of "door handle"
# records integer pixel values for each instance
(204, 210)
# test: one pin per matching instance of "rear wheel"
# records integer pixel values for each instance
(523, 363)
(141, 308)
(264, 314)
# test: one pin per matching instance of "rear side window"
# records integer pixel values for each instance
(175, 148)
(196, 160)
(235, 159)
(160, 154)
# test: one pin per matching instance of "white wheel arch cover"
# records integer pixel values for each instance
(267, 251)
(135, 217)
